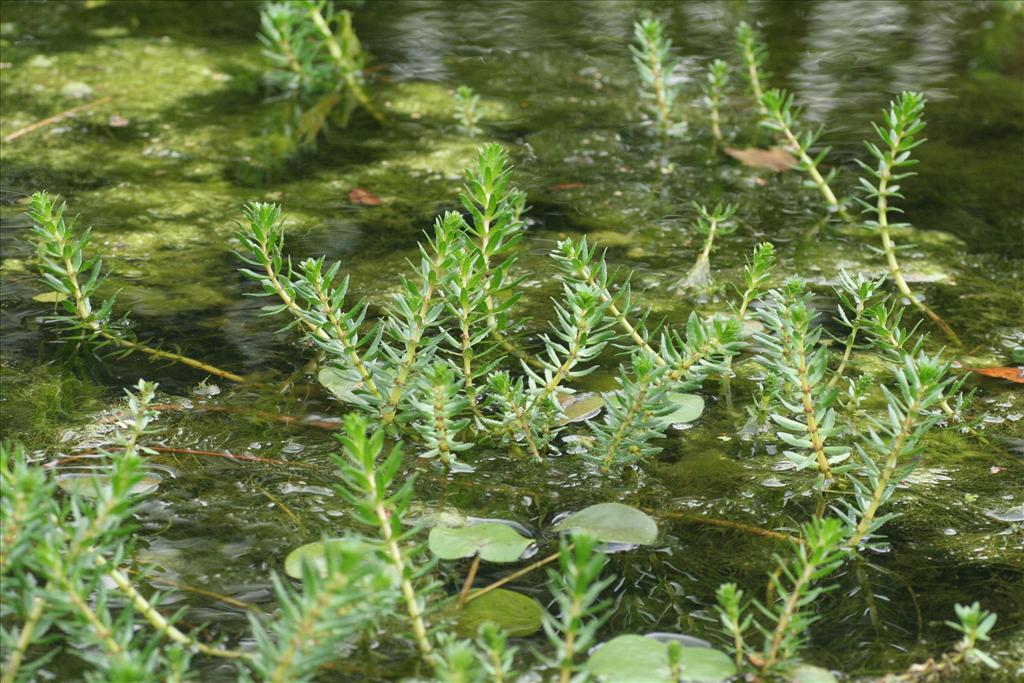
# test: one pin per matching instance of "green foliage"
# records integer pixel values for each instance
(581, 611)
(631, 416)
(890, 444)
(903, 123)
(784, 623)
(316, 57)
(467, 111)
(368, 486)
(652, 54)
(782, 117)
(459, 303)
(60, 569)
(717, 81)
(754, 54)
(335, 604)
(791, 349)
(439, 400)
(710, 223)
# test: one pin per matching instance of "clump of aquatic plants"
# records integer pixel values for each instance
(457, 306)
(317, 58)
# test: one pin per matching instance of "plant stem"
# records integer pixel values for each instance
(157, 620)
(470, 577)
(659, 87)
(587, 276)
(882, 209)
(791, 607)
(84, 309)
(389, 411)
(14, 659)
(812, 423)
(812, 170)
(345, 66)
(513, 576)
(755, 78)
(848, 348)
(892, 459)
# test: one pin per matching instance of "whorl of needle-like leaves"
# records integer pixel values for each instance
(652, 54)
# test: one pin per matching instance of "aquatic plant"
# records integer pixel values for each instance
(467, 110)
(717, 81)
(903, 122)
(315, 53)
(790, 349)
(783, 118)
(784, 622)
(975, 624)
(923, 383)
(74, 277)
(577, 590)
(710, 224)
(652, 54)
(368, 487)
(460, 301)
(753, 53)
(61, 567)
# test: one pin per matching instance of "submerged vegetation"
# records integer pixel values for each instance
(453, 374)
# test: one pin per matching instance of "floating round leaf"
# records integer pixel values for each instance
(314, 552)
(612, 523)
(519, 615)
(704, 665)
(805, 673)
(631, 659)
(494, 541)
(581, 407)
(683, 408)
(87, 483)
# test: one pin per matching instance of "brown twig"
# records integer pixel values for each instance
(513, 576)
(727, 524)
(285, 419)
(470, 577)
(54, 119)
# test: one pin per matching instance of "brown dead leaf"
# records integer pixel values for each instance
(1012, 374)
(774, 159)
(562, 187)
(363, 197)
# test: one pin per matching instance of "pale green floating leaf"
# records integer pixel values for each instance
(612, 523)
(631, 659)
(638, 659)
(683, 408)
(581, 407)
(494, 541)
(806, 673)
(704, 665)
(423, 515)
(86, 484)
(313, 552)
(520, 615)
(50, 297)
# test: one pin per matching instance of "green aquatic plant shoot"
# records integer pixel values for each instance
(903, 122)
(467, 111)
(652, 54)
(710, 223)
(74, 276)
(783, 118)
(753, 53)
(717, 81)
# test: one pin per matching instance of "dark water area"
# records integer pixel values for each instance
(202, 136)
